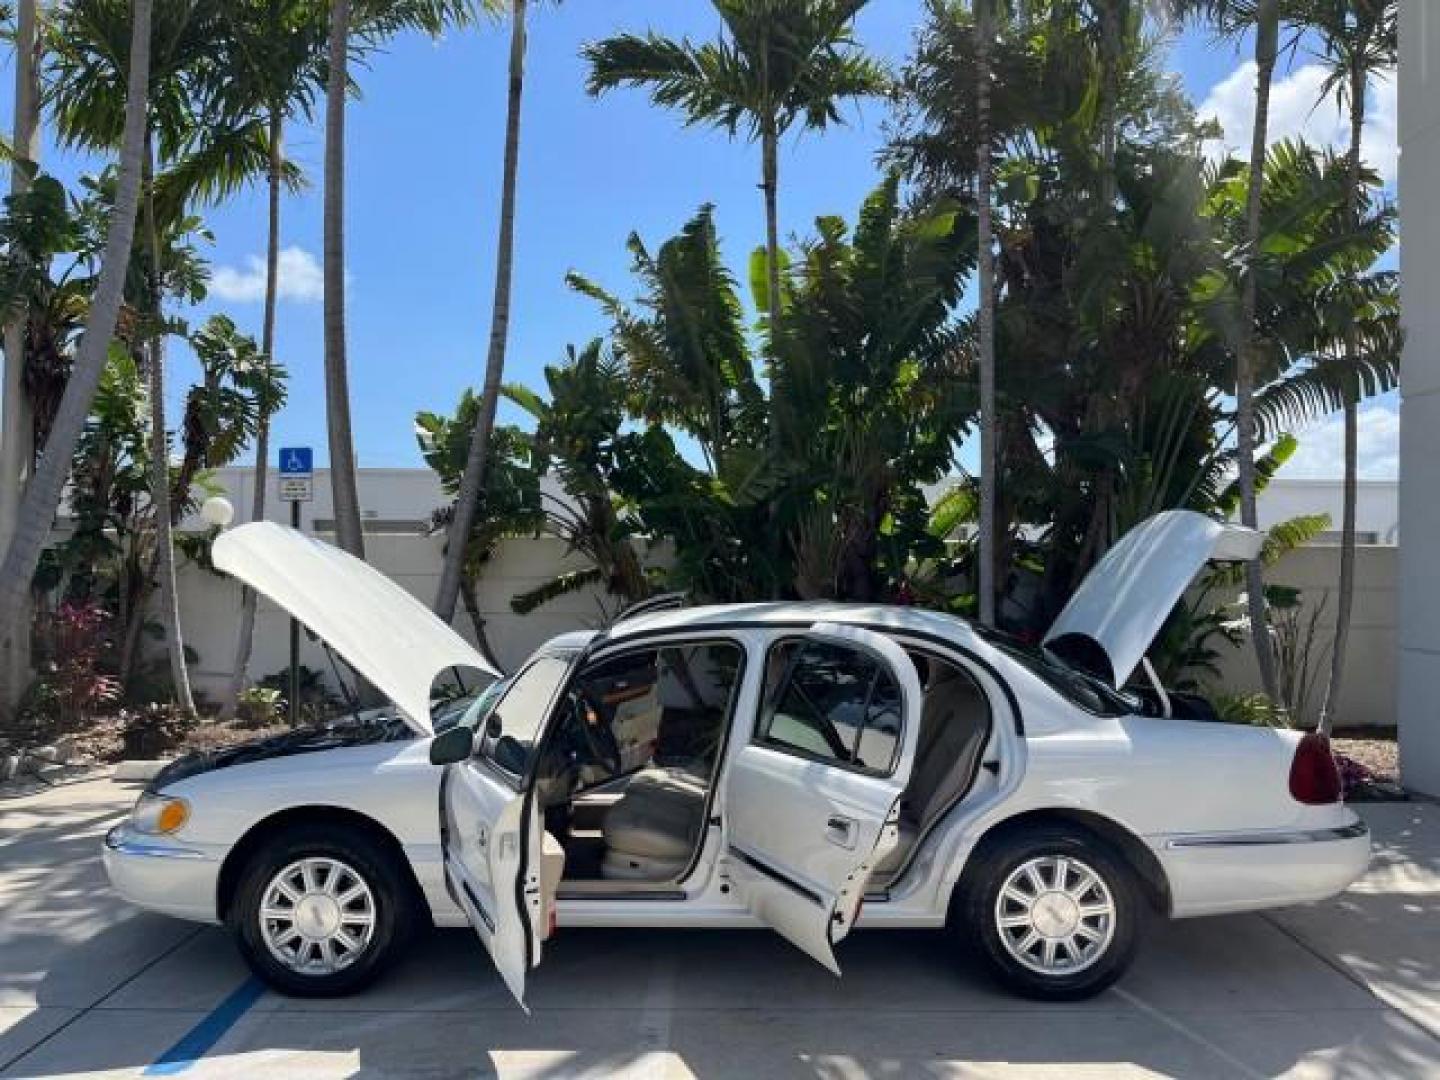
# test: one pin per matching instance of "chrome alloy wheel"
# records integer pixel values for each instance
(317, 916)
(1055, 915)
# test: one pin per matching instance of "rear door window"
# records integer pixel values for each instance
(833, 704)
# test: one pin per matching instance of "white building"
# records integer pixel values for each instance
(396, 505)
(1418, 708)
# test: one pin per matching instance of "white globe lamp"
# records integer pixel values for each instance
(217, 511)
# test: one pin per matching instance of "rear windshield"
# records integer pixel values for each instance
(1074, 685)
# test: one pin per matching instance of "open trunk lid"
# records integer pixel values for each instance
(1126, 597)
(386, 634)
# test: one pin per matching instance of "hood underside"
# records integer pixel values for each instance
(383, 632)
(1126, 598)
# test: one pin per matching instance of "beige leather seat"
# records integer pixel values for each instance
(651, 832)
(954, 727)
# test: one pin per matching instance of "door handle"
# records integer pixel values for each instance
(841, 831)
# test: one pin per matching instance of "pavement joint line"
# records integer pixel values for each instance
(1185, 1030)
(1333, 963)
(1342, 969)
(5, 1066)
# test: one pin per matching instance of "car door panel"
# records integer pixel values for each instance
(804, 832)
(486, 830)
(496, 862)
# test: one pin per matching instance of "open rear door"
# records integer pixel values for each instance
(812, 802)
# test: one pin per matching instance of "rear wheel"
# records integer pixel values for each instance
(319, 912)
(1052, 911)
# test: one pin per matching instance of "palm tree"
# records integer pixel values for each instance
(209, 156)
(1360, 40)
(1231, 19)
(472, 482)
(271, 68)
(160, 446)
(344, 494)
(42, 496)
(17, 449)
(1267, 47)
(985, 314)
(372, 21)
(775, 65)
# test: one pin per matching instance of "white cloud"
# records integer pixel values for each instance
(301, 278)
(1300, 108)
(1321, 454)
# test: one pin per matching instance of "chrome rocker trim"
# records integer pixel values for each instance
(1262, 839)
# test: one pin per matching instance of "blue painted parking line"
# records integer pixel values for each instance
(194, 1044)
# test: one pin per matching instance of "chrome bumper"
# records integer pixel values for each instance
(168, 878)
(1219, 873)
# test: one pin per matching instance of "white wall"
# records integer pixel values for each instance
(400, 500)
(210, 613)
(1419, 583)
(1377, 506)
(210, 606)
(1367, 693)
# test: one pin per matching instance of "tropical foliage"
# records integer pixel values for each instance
(1051, 265)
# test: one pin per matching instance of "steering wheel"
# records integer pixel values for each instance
(600, 742)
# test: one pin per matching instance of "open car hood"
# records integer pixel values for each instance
(1125, 599)
(386, 634)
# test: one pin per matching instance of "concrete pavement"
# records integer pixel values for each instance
(89, 987)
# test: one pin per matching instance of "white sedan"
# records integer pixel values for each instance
(775, 765)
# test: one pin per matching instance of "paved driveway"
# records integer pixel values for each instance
(89, 987)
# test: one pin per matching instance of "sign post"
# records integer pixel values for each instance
(297, 485)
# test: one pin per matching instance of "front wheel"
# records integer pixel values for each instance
(320, 912)
(1052, 912)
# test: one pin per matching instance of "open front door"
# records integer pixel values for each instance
(812, 802)
(502, 868)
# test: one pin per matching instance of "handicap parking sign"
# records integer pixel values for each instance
(297, 460)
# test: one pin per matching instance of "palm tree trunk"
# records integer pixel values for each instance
(160, 456)
(42, 497)
(779, 399)
(17, 430)
(472, 482)
(344, 494)
(477, 621)
(989, 458)
(1110, 15)
(1267, 37)
(770, 184)
(245, 641)
(1345, 597)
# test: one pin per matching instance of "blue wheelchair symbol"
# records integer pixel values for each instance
(297, 460)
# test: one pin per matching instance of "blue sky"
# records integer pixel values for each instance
(424, 146)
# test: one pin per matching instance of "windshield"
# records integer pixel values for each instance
(1076, 686)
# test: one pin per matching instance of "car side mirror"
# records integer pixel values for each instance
(452, 746)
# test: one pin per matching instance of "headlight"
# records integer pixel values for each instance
(159, 814)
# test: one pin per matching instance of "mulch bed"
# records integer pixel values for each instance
(1370, 764)
(102, 741)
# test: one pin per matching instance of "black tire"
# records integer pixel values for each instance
(392, 904)
(975, 911)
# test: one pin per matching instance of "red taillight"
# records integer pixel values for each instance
(1314, 776)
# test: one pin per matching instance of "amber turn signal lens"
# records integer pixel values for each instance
(172, 815)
